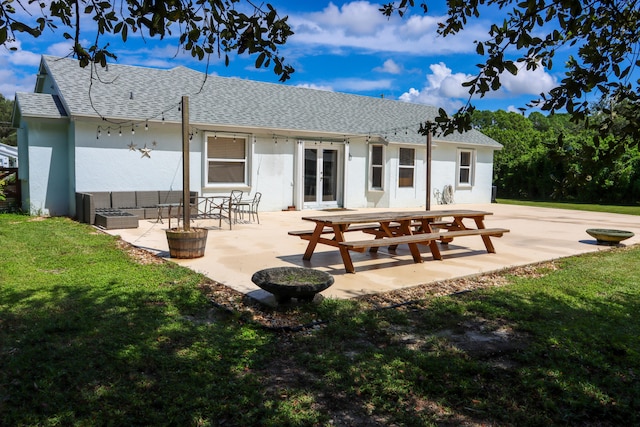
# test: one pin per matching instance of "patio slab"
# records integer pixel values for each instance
(232, 256)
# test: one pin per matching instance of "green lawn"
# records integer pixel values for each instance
(90, 336)
(627, 210)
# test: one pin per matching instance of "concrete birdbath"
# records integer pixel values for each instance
(609, 237)
(292, 282)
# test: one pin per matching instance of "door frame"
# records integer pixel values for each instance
(342, 153)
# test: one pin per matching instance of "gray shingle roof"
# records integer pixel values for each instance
(40, 105)
(122, 92)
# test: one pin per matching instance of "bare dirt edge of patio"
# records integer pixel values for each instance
(287, 317)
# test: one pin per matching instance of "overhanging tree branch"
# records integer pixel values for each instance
(204, 27)
(605, 32)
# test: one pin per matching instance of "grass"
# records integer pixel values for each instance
(89, 336)
(627, 210)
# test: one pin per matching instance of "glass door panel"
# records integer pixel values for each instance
(310, 175)
(321, 177)
(329, 175)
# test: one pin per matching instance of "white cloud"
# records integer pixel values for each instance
(359, 18)
(360, 25)
(390, 67)
(62, 49)
(11, 82)
(350, 85)
(360, 85)
(316, 86)
(442, 89)
(528, 82)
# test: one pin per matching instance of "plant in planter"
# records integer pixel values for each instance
(186, 242)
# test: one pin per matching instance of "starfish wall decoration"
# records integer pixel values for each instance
(146, 152)
(132, 146)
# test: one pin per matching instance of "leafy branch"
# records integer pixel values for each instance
(203, 27)
(605, 32)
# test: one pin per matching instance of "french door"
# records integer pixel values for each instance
(322, 176)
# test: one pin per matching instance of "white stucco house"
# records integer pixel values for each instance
(8, 156)
(120, 129)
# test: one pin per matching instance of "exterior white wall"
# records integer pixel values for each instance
(272, 172)
(45, 189)
(108, 164)
(357, 194)
(406, 197)
(65, 158)
(445, 169)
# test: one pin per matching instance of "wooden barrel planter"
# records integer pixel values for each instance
(187, 244)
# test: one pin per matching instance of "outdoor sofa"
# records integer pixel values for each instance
(123, 209)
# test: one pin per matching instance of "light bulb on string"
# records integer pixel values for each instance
(146, 125)
(133, 131)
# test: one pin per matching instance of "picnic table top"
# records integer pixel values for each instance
(388, 216)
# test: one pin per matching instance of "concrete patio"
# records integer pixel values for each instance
(232, 256)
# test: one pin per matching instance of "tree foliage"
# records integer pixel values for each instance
(552, 158)
(605, 33)
(203, 27)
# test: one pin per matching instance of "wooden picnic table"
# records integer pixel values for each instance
(392, 228)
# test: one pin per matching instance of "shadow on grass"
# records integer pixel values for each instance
(88, 337)
(484, 358)
(91, 357)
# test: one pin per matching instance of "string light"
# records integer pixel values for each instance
(146, 125)
(133, 131)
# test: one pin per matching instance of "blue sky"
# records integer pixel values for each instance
(342, 46)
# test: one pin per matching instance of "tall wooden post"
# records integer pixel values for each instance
(186, 193)
(428, 172)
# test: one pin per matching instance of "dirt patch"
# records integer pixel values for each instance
(286, 318)
(139, 255)
(493, 341)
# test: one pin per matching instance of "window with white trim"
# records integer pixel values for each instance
(466, 160)
(226, 159)
(376, 167)
(406, 167)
